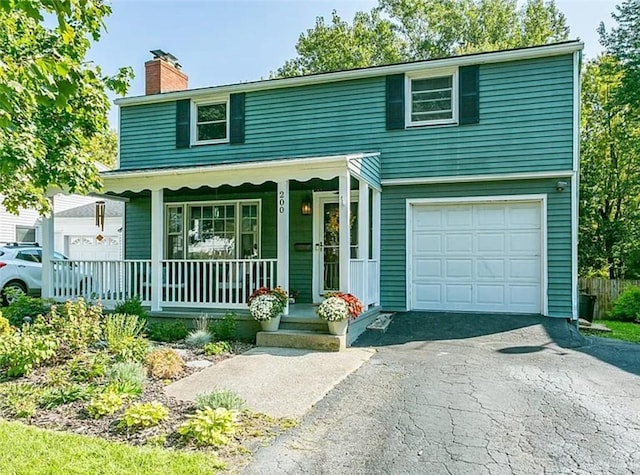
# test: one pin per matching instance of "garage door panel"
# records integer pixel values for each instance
(490, 294)
(523, 294)
(490, 268)
(427, 218)
(428, 294)
(427, 243)
(528, 269)
(488, 217)
(459, 217)
(490, 242)
(524, 242)
(524, 216)
(459, 293)
(459, 269)
(427, 268)
(459, 242)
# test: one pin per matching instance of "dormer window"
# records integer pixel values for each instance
(210, 122)
(432, 99)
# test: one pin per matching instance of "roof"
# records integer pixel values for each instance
(113, 209)
(528, 52)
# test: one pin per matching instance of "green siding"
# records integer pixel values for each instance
(526, 111)
(137, 228)
(370, 169)
(393, 230)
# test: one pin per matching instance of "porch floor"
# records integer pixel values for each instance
(303, 311)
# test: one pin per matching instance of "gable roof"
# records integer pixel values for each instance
(113, 209)
(528, 52)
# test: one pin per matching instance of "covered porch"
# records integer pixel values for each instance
(203, 238)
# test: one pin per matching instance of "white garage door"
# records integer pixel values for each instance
(94, 249)
(477, 257)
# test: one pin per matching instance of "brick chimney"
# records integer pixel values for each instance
(163, 74)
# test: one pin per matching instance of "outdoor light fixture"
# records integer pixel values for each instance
(561, 185)
(100, 214)
(306, 206)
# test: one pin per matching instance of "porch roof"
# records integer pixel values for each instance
(364, 166)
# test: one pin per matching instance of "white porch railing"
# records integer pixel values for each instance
(218, 283)
(364, 278)
(107, 281)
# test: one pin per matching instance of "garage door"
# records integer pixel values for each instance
(477, 257)
(93, 248)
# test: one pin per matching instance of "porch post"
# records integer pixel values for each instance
(282, 267)
(375, 232)
(363, 239)
(345, 233)
(157, 237)
(47, 252)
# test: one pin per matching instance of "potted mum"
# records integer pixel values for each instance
(337, 309)
(266, 306)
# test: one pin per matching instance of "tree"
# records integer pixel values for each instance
(103, 148)
(609, 237)
(52, 102)
(404, 30)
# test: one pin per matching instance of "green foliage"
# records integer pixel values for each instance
(5, 326)
(225, 329)
(88, 367)
(105, 403)
(156, 440)
(209, 426)
(167, 331)
(124, 336)
(56, 396)
(217, 348)
(198, 338)
(164, 364)
(127, 378)
(25, 350)
(19, 399)
(142, 415)
(222, 398)
(133, 306)
(626, 308)
(25, 306)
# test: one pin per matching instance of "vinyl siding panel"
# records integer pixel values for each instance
(393, 231)
(526, 112)
(137, 228)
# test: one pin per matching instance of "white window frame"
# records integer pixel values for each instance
(433, 73)
(210, 101)
(238, 232)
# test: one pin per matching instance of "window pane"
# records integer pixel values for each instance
(25, 234)
(175, 220)
(175, 247)
(212, 112)
(432, 106)
(432, 83)
(431, 99)
(249, 246)
(431, 116)
(212, 131)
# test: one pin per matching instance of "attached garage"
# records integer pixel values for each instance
(478, 254)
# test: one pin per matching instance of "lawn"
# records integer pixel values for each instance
(29, 450)
(625, 331)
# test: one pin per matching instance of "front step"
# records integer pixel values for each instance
(308, 340)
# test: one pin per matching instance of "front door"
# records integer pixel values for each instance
(326, 272)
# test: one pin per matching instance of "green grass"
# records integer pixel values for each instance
(620, 330)
(29, 450)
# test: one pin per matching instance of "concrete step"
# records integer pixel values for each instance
(309, 340)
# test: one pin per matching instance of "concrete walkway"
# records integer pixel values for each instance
(280, 382)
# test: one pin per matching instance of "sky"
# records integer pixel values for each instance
(230, 41)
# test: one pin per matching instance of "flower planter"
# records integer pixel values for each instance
(338, 328)
(271, 325)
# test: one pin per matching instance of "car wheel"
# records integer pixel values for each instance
(15, 288)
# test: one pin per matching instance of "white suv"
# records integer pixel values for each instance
(21, 269)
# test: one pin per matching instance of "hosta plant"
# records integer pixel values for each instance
(209, 426)
(217, 348)
(105, 403)
(142, 415)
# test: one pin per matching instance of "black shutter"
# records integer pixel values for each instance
(469, 95)
(395, 102)
(183, 123)
(236, 129)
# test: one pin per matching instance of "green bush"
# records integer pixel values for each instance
(164, 363)
(227, 328)
(209, 426)
(5, 326)
(132, 306)
(25, 306)
(198, 338)
(88, 367)
(167, 331)
(142, 415)
(222, 398)
(125, 337)
(19, 399)
(25, 350)
(217, 348)
(127, 378)
(626, 308)
(105, 403)
(57, 396)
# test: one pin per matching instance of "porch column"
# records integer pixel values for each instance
(375, 233)
(48, 245)
(282, 267)
(363, 239)
(157, 237)
(345, 231)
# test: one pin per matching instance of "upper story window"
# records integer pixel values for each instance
(210, 122)
(432, 99)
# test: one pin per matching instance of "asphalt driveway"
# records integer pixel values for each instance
(476, 394)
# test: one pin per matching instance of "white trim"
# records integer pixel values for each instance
(475, 178)
(344, 205)
(482, 58)
(363, 238)
(408, 96)
(157, 247)
(376, 217)
(575, 185)
(48, 243)
(541, 198)
(283, 210)
(193, 126)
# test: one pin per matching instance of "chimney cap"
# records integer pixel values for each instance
(159, 54)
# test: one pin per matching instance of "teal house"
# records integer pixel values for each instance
(446, 185)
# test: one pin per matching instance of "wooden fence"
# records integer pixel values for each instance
(606, 292)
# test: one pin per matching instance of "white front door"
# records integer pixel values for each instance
(326, 238)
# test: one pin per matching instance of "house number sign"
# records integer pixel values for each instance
(281, 202)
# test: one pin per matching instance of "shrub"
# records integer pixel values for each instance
(127, 378)
(209, 426)
(164, 364)
(5, 326)
(198, 338)
(105, 403)
(167, 331)
(25, 306)
(217, 348)
(227, 328)
(124, 336)
(19, 399)
(142, 415)
(627, 306)
(65, 394)
(87, 367)
(222, 398)
(25, 350)
(132, 306)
